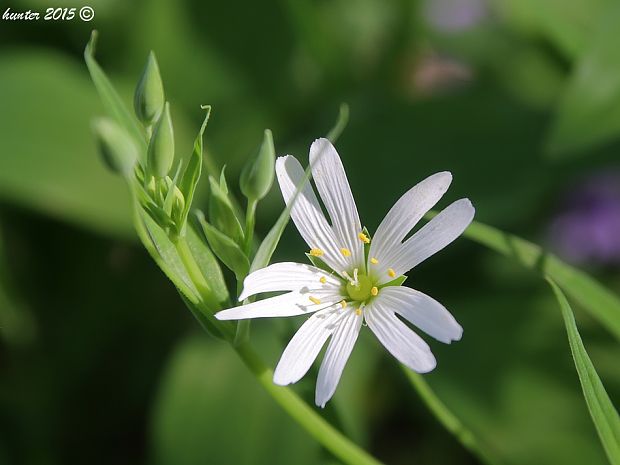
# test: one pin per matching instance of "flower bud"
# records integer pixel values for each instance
(161, 146)
(117, 148)
(257, 175)
(149, 97)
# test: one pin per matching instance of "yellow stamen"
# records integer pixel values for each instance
(345, 252)
(314, 300)
(316, 252)
(364, 238)
(374, 261)
(374, 290)
(391, 273)
(343, 304)
(358, 312)
(323, 279)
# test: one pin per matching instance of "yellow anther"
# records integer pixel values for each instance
(343, 304)
(314, 300)
(358, 311)
(374, 290)
(316, 252)
(374, 261)
(391, 273)
(323, 279)
(364, 238)
(345, 252)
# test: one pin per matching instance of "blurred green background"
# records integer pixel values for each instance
(99, 360)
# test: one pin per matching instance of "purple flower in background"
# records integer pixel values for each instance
(588, 229)
(454, 15)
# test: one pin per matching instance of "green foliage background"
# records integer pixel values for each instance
(99, 360)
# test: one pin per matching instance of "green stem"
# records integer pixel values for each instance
(304, 415)
(250, 219)
(447, 418)
(195, 274)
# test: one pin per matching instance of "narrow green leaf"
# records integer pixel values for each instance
(589, 110)
(452, 423)
(110, 98)
(207, 263)
(225, 248)
(165, 254)
(341, 123)
(602, 304)
(193, 170)
(605, 416)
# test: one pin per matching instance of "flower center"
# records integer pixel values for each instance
(361, 289)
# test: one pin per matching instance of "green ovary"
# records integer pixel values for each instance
(362, 291)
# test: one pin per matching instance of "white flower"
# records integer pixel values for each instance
(362, 282)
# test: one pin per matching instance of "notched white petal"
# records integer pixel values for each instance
(432, 237)
(289, 304)
(422, 311)
(305, 346)
(333, 186)
(405, 345)
(306, 212)
(288, 276)
(336, 356)
(404, 215)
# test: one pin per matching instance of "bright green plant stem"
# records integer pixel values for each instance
(317, 426)
(448, 419)
(250, 219)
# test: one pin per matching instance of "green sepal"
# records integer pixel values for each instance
(257, 175)
(316, 261)
(395, 282)
(222, 214)
(161, 146)
(192, 173)
(149, 95)
(227, 250)
(118, 150)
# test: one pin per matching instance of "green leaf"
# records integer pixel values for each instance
(43, 168)
(208, 409)
(602, 304)
(604, 414)
(110, 98)
(193, 170)
(225, 248)
(589, 110)
(567, 23)
(222, 213)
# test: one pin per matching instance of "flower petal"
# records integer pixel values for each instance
(408, 348)
(422, 311)
(288, 276)
(305, 345)
(403, 216)
(336, 356)
(306, 212)
(289, 304)
(432, 237)
(333, 186)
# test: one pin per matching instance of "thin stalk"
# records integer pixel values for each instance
(195, 274)
(250, 219)
(447, 418)
(332, 439)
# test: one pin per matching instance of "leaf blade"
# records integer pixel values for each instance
(604, 415)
